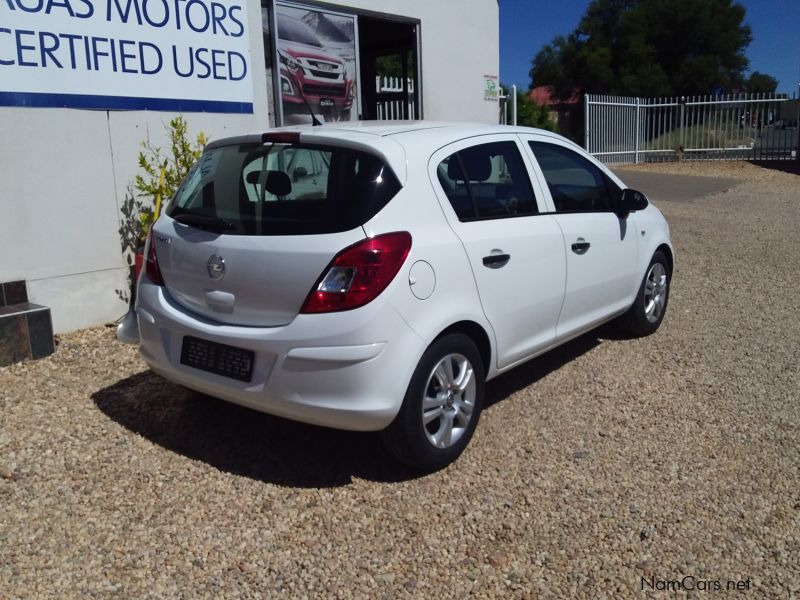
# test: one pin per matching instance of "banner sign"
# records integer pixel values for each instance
(317, 65)
(174, 55)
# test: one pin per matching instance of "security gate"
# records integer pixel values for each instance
(734, 127)
(393, 101)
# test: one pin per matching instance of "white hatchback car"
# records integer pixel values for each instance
(372, 276)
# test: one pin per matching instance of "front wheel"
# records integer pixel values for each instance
(650, 306)
(441, 407)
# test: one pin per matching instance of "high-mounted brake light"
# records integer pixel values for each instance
(151, 268)
(281, 137)
(359, 273)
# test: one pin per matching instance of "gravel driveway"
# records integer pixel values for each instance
(599, 470)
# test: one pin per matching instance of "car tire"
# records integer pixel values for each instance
(441, 407)
(648, 310)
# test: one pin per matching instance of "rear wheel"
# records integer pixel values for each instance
(650, 306)
(442, 405)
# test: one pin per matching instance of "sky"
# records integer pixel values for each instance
(527, 25)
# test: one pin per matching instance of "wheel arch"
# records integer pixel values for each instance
(477, 334)
(668, 253)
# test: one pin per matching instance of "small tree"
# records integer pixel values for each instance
(182, 156)
(138, 207)
(530, 114)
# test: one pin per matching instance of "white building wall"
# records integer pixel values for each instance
(64, 172)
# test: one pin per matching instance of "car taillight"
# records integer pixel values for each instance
(359, 273)
(151, 266)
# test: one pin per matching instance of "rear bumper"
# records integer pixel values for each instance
(344, 370)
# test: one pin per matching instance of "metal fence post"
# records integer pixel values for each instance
(797, 122)
(586, 122)
(514, 105)
(638, 113)
(683, 127)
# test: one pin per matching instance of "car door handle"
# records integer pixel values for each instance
(495, 261)
(581, 246)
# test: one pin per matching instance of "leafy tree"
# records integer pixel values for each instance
(648, 48)
(530, 114)
(391, 65)
(760, 83)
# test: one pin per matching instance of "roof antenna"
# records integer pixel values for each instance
(314, 121)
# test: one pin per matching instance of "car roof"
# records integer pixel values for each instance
(390, 139)
(422, 129)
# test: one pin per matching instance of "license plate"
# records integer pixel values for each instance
(326, 102)
(220, 359)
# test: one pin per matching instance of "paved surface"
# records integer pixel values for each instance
(674, 188)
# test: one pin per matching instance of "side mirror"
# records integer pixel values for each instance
(632, 200)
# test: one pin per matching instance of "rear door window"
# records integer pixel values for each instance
(283, 189)
(487, 181)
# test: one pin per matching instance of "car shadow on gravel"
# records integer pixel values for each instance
(787, 166)
(245, 442)
(519, 378)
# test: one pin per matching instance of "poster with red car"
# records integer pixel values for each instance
(317, 65)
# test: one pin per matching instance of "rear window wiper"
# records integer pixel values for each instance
(206, 222)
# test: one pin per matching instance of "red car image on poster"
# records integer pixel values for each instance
(314, 77)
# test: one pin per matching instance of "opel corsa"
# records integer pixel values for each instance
(373, 276)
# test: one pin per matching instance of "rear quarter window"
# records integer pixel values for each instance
(285, 189)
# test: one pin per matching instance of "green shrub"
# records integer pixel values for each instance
(138, 206)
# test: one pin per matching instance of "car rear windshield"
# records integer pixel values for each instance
(283, 189)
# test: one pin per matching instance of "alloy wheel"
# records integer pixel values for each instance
(449, 400)
(655, 292)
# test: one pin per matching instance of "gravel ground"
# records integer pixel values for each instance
(604, 467)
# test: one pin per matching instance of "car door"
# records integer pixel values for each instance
(601, 248)
(516, 253)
